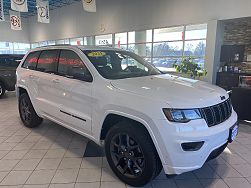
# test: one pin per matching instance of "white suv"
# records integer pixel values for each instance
(147, 120)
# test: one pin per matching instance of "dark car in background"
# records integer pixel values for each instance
(8, 65)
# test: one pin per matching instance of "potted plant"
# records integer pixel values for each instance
(190, 67)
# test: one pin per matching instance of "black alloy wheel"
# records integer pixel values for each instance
(27, 113)
(25, 110)
(127, 155)
(131, 153)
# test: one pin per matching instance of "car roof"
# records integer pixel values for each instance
(74, 47)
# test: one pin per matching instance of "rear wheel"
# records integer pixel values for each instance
(2, 89)
(27, 113)
(131, 154)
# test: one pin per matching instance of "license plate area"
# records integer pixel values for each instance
(233, 132)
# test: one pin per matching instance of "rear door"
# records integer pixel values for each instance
(74, 96)
(46, 72)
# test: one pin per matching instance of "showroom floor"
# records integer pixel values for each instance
(52, 156)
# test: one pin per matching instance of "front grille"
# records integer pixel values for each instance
(217, 114)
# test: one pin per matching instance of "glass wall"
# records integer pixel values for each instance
(14, 48)
(167, 47)
(103, 40)
(77, 41)
(161, 46)
(195, 42)
(121, 40)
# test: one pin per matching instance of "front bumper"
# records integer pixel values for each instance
(174, 159)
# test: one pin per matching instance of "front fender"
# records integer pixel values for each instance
(145, 120)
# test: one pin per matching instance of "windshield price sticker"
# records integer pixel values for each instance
(96, 54)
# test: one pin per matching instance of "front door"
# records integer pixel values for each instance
(74, 96)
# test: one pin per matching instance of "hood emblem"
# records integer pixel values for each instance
(222, 98)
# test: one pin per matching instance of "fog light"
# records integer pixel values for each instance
(192, 146)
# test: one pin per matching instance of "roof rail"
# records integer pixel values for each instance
(58, 45)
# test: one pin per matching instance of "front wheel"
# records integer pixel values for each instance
(27, 113)
(2, 90)
(131, 154)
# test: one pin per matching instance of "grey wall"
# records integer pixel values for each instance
(8, 35)
(121, 15)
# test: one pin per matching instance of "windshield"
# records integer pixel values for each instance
(120, 64)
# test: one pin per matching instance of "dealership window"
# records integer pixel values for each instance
(14, 48)
(77, 41)
(169, 34)
(58, 42)
(103, 40)
(51, 42)
(121, 40)
(66, 41)
(195, 43)
(35, 45)
(140, 42)
(43, 43)
(171, 45)
(168, 47)
(21, 48)
(90, 40)
(6, 47)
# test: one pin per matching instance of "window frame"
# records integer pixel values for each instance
(56, 62)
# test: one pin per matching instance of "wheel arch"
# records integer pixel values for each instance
(22, 89)
(113, 118)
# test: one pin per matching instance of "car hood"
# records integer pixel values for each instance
(178, 92)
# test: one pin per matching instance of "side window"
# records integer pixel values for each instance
(48, 61)
(70, 65)
(31, 60)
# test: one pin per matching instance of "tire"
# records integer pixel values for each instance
(27, 113)
(2, 89)
(131, 154)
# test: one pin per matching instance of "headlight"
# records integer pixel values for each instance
(182, 116)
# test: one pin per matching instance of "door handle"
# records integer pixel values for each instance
(56, 81)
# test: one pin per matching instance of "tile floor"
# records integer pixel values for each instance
(51, 157)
